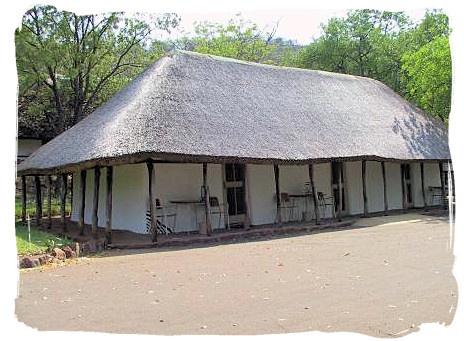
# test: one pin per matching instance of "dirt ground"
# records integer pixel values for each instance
(384, 279)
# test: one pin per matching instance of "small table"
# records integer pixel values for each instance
(306, 197)
(190, 203)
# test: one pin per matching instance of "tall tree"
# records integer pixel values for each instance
(238, 39)
(69, 64)
(388, 47)
(429, 77)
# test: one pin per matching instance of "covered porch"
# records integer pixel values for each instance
(201, 202)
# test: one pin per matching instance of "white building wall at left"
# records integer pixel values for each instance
(130, 194)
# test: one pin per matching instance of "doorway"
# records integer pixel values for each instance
(235, 192)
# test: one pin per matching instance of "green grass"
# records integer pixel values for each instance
(30, 208)
(41, 241)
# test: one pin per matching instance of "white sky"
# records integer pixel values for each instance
(301, 25)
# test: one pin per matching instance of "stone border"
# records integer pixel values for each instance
(59, 255)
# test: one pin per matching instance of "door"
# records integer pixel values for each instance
(337, 171)
(235, 192)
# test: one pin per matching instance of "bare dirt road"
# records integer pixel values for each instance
(382, 280)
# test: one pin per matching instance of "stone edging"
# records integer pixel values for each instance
(58, 255)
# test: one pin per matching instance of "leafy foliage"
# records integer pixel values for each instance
(429, 77)
(388, 47)
(69, 64)
(239, 39)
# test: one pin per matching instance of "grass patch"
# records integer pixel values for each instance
(41, 241)
(30, 208)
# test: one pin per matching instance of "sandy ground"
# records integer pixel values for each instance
(382, 280)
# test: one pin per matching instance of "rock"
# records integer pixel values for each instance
(45, 259)
(58, 253)
(28, 262)
(69, 252)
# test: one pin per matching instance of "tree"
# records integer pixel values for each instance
(429, 77)
(69, 64)
(386, 46)
(239, 39)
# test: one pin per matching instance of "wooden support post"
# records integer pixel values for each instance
(384, 179)
(403, 188)
(71, 190)
(109, 203)
(153, 226)
(49, 201)
(207, 202)
(364, 186)
(424, 198)
(23, 199)
(340, 191)
(314, 195)
(38, 200)
(64, 183)
(82, 202)
(96, 192)
(442, 183)
(277, 190)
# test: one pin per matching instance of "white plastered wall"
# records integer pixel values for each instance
(431, 177)
(183, 182)
(416, 185)
(374, 186)
(322, 175)
(353, 183)
(393, 180)
(130, 194)
(292, 181)
(261, 188)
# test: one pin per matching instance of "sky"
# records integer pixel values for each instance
(299, 25)
(298, 20)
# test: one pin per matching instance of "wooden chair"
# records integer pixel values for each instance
(163, 213)
(220, 210)
(325, 201)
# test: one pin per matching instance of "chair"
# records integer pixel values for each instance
(162, 221)
(215, 208)
(436, 196)
(164, 212)
(325, 201)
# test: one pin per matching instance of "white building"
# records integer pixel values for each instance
(251, 135)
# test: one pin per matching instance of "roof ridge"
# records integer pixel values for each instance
(173, 52)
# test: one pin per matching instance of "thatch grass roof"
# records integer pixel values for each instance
(195, 107)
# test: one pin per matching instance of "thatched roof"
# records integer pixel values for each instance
(195, 107)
